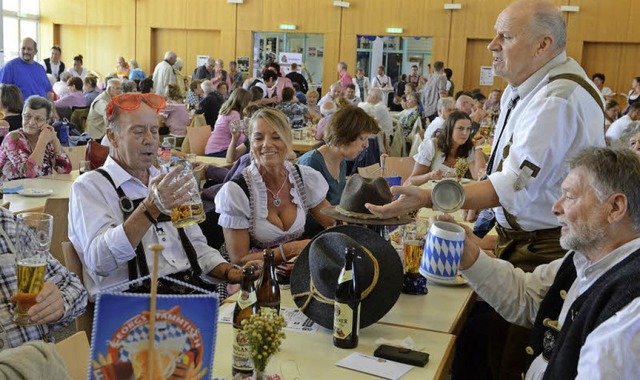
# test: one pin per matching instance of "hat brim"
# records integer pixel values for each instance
(381, 299)
(333, 213)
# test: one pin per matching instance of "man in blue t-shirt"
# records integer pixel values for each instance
(26, 73)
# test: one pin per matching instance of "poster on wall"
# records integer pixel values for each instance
(243, 65)
(201, 60)
(311, 52)
(285, 59)
(486, 76)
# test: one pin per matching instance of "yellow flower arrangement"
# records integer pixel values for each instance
(264, 333)
(461, 167)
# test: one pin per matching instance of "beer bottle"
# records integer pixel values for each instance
(346, 313)
(268, 289)
(245, 307)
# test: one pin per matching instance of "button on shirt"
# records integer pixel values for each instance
(97, 233)
(609, 351)
(550, 124)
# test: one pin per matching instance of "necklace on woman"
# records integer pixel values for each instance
(276, 196)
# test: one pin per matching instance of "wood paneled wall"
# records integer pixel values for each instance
(102, 30)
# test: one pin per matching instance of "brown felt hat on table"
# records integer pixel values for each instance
(359, 191)
(378, 269)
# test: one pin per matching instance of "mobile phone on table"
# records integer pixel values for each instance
(402, 355)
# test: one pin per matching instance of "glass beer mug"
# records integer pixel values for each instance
(33, 241)
(190, 212)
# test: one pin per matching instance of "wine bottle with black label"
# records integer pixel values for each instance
(346, 311)
(246, 306)
(268, 288)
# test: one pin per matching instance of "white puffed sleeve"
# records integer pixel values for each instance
(233, 206)
(315, 185)
(425, 154)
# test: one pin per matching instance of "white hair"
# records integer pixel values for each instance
(207, 86)
(179, 64)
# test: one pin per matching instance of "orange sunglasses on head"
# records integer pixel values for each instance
(132, 101)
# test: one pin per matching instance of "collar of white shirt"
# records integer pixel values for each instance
(120, 176)
(530, 83)
(589, 272)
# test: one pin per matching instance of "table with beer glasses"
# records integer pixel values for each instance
(313, 355)
(304, 140)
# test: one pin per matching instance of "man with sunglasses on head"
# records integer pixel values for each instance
(106, 240)
(26, 73)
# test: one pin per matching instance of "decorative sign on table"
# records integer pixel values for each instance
(185, 332)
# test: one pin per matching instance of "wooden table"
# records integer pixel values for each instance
(443, 309)
(304, 146)
(61, 189)
(313, 356)
(220, 162)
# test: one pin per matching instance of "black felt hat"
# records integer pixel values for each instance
(359, 191)
(378, 271)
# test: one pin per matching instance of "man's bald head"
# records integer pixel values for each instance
(544, 18)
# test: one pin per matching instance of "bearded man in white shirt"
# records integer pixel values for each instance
(585, 307)
(550, 111)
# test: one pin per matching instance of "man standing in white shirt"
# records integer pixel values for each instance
(381, 80)
(556, 112)
(617, 128)
(163, 74)
(583, 308)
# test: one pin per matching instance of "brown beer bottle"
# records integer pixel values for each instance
(346, 311)
(268, 289)
(246, 306)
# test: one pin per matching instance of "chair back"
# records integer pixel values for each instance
(402, 166)
(75, 353)
(59, 208)
(74, 265)
(79, 117)
(198, 138)
(76, 154)
(368, 171)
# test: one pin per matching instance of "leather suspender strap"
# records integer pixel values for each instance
(137, 266)
(583, 83)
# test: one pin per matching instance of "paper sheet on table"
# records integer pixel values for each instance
(296, 320)
(386, 369)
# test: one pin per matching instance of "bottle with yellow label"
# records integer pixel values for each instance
(346, 315)
(246, 306)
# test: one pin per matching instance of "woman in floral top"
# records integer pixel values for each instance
(34, 150)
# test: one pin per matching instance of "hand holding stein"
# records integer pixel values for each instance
(178, 194)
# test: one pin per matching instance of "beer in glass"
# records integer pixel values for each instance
(33, 241)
